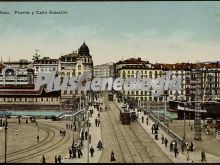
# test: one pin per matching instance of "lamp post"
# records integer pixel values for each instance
(88, 138)
(1, 117)
(73, 123)
(165, 109)
(184, 129)
(6, 125)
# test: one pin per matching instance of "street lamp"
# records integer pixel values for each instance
(88, 138)
(6, 127)
(184, 130)
(165, 109)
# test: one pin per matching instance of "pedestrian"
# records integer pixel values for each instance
(92, 151)
(96, 122)
(183, 147)
(191, 146)
(82, 135)
(90, 138)
(26, 121)
(98, 114)
(175, 143)
(166, 141)
(70, 153)
(147, 120)
(175, 151)
(187, 155)
(74, 152)
(86, 134)
(87, 123)
(78, 153)
(43, 160)
(187, 147)
(56, 159)
(152, 129)
(191, 128)
(67, 126)
(142, 119)
(162, 138)
(156, 136)
(171, 146)
(99, 145)
(203, 156)
(38, 138)
(59, 159)
(112, 156)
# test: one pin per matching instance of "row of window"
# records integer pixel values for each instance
(46, 68)
(150, 92)
(45, 99)
(73, 73)
(73, 92)
(143, 72)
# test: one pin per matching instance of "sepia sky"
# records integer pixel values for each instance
(165, 32)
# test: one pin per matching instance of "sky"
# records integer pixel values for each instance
(162, 32)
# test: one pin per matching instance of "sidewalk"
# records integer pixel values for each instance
(96, 136)
(181, 158)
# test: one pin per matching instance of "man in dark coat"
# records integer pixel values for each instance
(112, 156)
(86, 134)
(92, 151)
(175, 151)
(166, 141)
(70, 153)
(191, 146)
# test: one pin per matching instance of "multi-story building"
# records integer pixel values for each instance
(102, 70)
(73, 65)
(46, 64)
(16, 73)
(17, 88)
(128, 69)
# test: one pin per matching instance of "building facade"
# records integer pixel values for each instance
(46, 64)
(103, 71)
(73, 65)
(16, 73)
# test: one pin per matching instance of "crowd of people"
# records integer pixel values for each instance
(173, 143)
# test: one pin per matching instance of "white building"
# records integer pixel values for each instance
(102, 70)
(46, 64)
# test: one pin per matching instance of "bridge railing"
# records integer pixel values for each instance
(165, 128)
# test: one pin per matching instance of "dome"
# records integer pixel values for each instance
(84, 49)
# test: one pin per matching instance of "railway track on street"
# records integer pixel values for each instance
(131, 142)
(51, 142)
